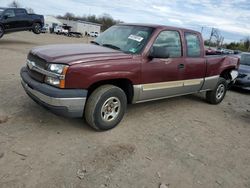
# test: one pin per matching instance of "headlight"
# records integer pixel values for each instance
(58, 79)
(56, 68)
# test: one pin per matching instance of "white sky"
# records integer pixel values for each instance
(230, 16)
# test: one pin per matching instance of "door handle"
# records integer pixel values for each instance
(181, 66)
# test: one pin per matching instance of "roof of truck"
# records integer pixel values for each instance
(159, 26)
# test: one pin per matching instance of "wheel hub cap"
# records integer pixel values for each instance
(220, 91)
(110, 109)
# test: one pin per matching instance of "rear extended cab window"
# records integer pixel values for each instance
(193, 45)
(20, 12)
(171, 41)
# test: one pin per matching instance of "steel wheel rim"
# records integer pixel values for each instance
(220, 91)
(37, 27)
(110, 109)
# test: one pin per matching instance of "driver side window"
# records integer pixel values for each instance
(9, 13)
(169, 41)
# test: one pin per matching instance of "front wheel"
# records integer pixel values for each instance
(217, 95)
(105, 107)
(37, 28)
(1, 31)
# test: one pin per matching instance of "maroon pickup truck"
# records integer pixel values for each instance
(128, 63)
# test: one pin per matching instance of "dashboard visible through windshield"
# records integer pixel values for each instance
(129, 39)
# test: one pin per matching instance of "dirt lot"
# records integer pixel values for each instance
(183, 142)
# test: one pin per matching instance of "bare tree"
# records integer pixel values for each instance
(215, 33)
(247, 43)
(14, 4)
(30, 10)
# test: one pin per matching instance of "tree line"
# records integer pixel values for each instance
(105, 20)
(243, 45)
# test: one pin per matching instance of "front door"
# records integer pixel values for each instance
(163, 77)
(9, 20)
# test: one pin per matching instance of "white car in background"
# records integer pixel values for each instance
(60, 30)
(93, 34)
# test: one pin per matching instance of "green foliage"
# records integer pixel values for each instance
(244, 45)
(105, 20)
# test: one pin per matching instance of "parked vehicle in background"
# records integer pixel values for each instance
(237, 51)
(227, 51)
(45, 29)
(60, 30)
(17, 19)
(210, 51)
(75, 34)
(94, 34)
(243, 79)
(220, 50)
(128, 63)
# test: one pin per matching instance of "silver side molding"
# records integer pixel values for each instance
(154, 91)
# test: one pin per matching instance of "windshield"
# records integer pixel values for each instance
(129, 39)
(245, 59)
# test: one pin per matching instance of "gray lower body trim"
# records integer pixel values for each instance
(210, 83)
(154, 91)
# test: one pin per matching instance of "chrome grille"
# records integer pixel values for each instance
(39, 62)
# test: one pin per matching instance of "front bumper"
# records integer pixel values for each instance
(65, 102)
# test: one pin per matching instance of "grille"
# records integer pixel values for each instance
(39, 62)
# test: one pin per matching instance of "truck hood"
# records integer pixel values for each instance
(77, 53)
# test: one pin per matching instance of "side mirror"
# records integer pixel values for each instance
(159, 52)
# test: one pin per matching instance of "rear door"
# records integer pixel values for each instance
(195, 63)
(22, 18)
(162, 77)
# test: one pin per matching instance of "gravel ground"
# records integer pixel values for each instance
(181, 142)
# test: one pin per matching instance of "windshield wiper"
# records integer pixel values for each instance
(111, 46)
(94, 42)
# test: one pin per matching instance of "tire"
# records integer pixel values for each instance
(1, 31)
(217, 95)
(105, 107)
(37, 28)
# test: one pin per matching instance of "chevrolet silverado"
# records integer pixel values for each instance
(128, 63)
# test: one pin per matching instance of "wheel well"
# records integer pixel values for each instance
(125, 84)
(39, 22)
(226, 74)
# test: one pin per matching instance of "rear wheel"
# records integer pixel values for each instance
(105, 107)
(1, 31)
(37, 28)
(217, 95)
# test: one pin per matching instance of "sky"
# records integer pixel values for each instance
(231, 17)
